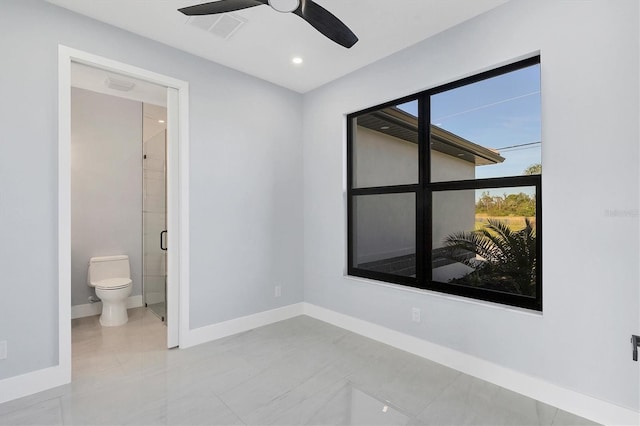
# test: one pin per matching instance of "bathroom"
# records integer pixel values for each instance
(118, 208)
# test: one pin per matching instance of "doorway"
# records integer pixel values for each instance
(175, 239)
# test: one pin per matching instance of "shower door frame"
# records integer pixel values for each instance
(156, 232)
(177, 197)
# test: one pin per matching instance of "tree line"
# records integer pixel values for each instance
(520, 204)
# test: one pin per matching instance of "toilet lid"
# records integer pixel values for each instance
(112, 283)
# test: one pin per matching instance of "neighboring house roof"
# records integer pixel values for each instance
(395, 122)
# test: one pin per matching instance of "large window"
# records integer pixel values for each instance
(444, 188)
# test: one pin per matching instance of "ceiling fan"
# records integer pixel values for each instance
(320, 18)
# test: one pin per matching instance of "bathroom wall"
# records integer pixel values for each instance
(106, 185)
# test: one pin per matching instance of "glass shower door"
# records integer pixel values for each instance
(154, 224)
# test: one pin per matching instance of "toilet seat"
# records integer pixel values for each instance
(112, 283)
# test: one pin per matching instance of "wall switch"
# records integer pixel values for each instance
(278, 291)
(3, 349)
(415, 315)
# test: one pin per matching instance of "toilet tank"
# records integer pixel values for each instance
(104, 267)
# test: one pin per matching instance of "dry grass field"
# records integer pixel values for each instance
(516, 223)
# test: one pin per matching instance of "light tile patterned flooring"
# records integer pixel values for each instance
(296, 372)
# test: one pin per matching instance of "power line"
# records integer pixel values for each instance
(530, 144)
(439, 119)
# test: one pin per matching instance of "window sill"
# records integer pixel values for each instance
(452, 297)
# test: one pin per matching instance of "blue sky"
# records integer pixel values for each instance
(499, 112)
(496, 113)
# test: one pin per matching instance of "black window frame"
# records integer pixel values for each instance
(424, 190)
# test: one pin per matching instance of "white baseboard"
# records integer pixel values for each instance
(33, 382)
(239, 325)
(582, 405)
(91, 309)
(549, 393)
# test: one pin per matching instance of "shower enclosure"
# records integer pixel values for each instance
(154, 224)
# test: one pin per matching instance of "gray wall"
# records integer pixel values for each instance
(385, 225)
(245, 171)
(590, 194)
(383, 160)
(459, 211)
(106, 185)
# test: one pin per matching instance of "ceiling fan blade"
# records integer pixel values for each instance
(325, 22)
(221, 6)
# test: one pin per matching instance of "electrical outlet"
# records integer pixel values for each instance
(3, 349)
(415, 315)
(278, 291)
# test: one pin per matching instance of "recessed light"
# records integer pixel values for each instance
(160, 121)
(297, 60)
(384, 128)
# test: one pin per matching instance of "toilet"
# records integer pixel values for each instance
(111, 277)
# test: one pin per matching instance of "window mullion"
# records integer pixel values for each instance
(423, 227)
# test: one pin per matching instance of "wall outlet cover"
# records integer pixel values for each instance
(415, 315)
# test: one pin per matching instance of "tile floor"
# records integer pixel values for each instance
(295, 372)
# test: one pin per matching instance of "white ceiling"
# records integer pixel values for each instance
(265, 44)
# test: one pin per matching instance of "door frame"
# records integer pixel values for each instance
(177, 195)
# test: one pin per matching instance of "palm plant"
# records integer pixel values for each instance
(507, 257)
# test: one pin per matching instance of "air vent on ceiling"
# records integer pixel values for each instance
(203, 22)
(117, 84)
(224, 26)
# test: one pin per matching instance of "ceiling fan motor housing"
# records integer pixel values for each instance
(284, 6)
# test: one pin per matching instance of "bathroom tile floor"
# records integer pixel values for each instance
(295, 372)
